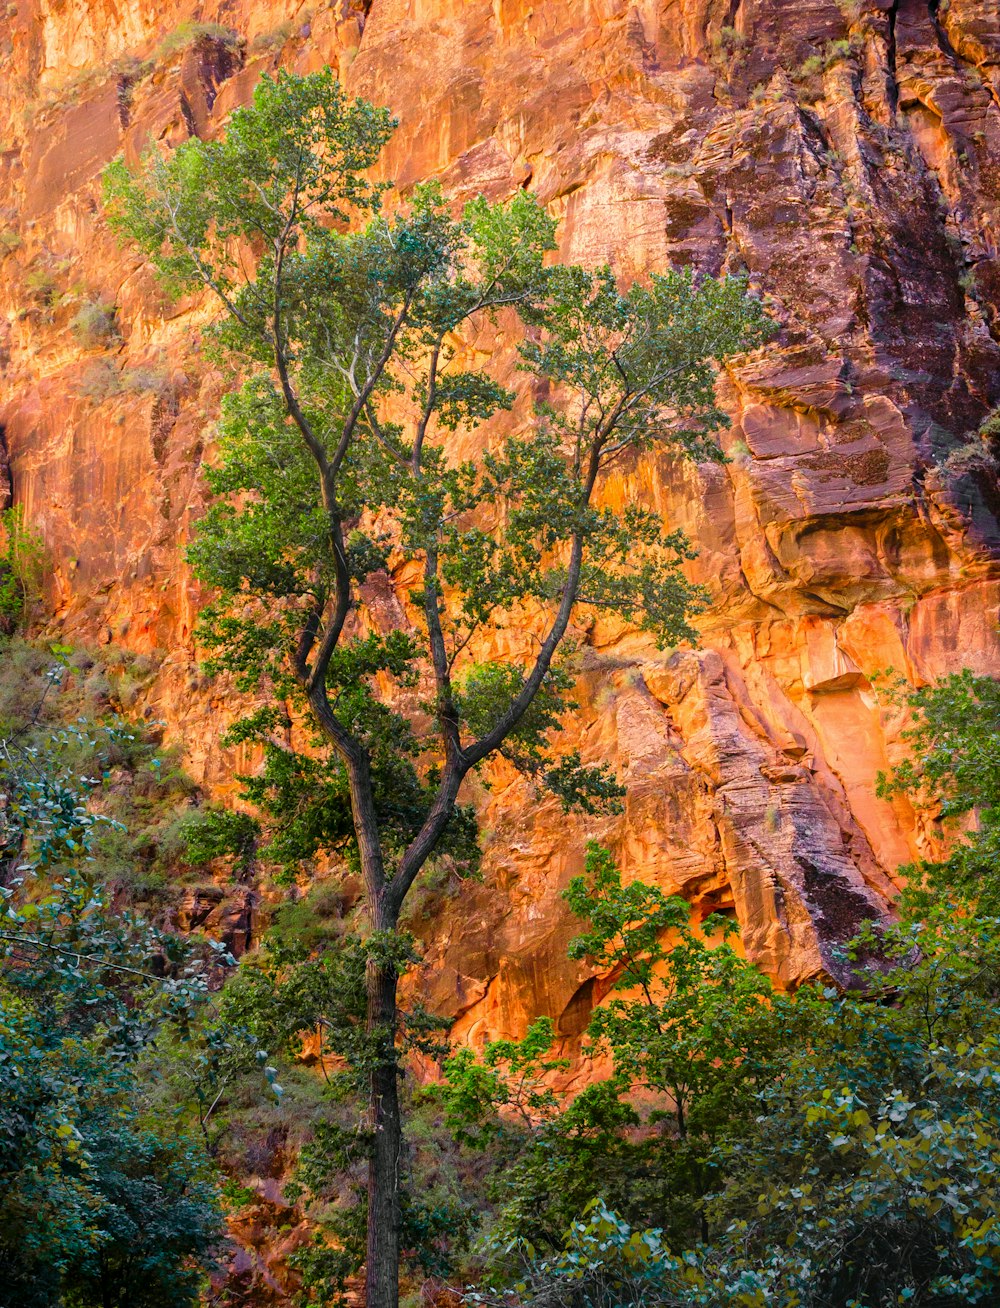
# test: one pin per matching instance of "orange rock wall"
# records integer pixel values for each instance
(845, 152)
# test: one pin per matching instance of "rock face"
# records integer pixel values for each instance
(846, 153)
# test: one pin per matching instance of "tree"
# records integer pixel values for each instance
(548, 1154)
(692, 1030)
(863, 1169)
(357, 444)
(869, 1174)
(691, 1022)
(955, 768)
(305, 986)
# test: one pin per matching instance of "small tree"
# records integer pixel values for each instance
(692, 1030)
(689, 1021)
(355, 445)
(22, 557)
(954, 767)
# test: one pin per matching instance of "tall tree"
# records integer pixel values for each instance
(355, 445)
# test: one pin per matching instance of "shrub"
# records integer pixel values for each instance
(99, 382)
(989, 428)
(41, 285)
(265, 42)
(94, 324)
(186, 34)
(969, 458)
(147, 381)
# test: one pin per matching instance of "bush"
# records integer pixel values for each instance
(41, 285)
(971, 458)
(96, 1207)
(147, 381)
(275, 39)
(94, 324)
(187, 33)
(603, 1263)
(100, 382)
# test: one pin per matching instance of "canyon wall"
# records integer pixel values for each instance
(846, 153)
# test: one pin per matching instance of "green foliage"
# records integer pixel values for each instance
(544, 1175)
(45, 798)
(285, 991)
(159, 1220)
(22, 562)
(511, 1077)
(221, 834)
(856, 1160)
(602, 1263)
(691, 1029)
(62, 707)
(96, 1207)
(305, 798)
(351, 332)
(989, 428)
(41, 284)
(954, 768)
(190, 33)
(692, 1021)
(870, 1174)
(307, 984)
(296, 153)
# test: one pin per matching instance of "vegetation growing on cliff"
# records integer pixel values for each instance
(356, 330)
(22, 557)
(100, 1204)
(954, 768)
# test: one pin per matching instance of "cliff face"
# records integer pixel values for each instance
(845, 152)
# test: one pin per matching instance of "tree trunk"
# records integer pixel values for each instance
(382, 1265)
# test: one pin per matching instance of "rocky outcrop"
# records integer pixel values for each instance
(845, 153)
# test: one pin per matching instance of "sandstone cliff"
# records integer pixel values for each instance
(845, 152)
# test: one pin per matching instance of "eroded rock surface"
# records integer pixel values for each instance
(845, 152)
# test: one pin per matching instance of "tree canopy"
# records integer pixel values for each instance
(366, 341)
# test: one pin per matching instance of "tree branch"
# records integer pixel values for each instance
(72, 953)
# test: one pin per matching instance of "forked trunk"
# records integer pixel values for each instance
(382, 1266)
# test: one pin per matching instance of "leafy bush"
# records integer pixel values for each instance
(690, 1028)
(41, 284)
(602, 1263)
(94, 324)
(869, 1175)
